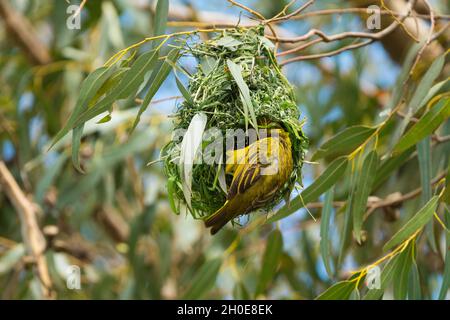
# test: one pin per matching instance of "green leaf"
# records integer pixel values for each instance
(161, 13)
(339, 291)
(326, 180)
(156, 80)
(187, 96)
(228, 42)
(362, 191)
(344, 142)
(240, 292)
(415, 223)
(204, 279)
(355, 295)
(425, 126)
(444, 84)
(88, 90)
(387, 275)
(208, 64)
(399, 84)
(235, 71)
(270, 261)
(127, 85)
(77, 133)
(405, 260)
(426, 83)
(414, 289)
(325, 249)
(446, 194)
(424, 156)
(11, 257)
(105, 119)
(446, 273)
(171, 195)
(388, 166)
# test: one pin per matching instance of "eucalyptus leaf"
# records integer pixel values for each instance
(204, 279)
(344, 142)
(415, 223)
(426, 125)
(270, 261)
(326, 180)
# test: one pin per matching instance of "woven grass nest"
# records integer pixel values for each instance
(214, 92)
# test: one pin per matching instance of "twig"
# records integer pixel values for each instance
(371, 36)
(33, 238)
(294, 13)
(428, 41)
(326, 12)
(327, 54)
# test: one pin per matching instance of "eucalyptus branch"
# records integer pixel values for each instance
(32, 236)
(341, 36)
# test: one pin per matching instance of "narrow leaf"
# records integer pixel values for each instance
(401, 279)
(328, 178)
(77, 133)
(325, 249)
(426, 125)
(344, 142)
(161, 13)
(426, 83)
(88, 90)
(339, 291)
(156, 81)
(415, 223)
(235, 71)
(362, 192)
(127, 85)
(424, 156)
(446, 273)
(189, 147)
(414, 289)
(271, 260)
(203, 280)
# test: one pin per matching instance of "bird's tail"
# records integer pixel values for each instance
(219, 218)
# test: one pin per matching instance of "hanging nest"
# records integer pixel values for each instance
(213, 91)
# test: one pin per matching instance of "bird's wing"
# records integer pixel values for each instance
(246, 174)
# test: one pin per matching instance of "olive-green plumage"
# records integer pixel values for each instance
(259, 171)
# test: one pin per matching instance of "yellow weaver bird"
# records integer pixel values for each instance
(259, 171)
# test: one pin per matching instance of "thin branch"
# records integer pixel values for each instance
(32, 236)
(371, 36)
(250, 10)
(327, 54)
(363, 11)
(428, 41)
(292, 14)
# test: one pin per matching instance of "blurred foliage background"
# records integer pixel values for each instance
(115, 222)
